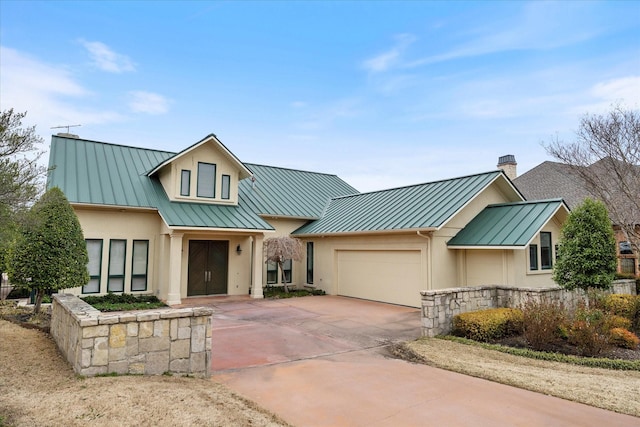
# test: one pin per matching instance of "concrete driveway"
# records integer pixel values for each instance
(323, 361)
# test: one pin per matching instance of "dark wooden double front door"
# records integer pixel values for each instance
(208, 267)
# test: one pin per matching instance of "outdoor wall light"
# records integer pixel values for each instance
(238, 250)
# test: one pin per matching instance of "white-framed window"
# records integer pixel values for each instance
(185, 182)
(226, 187)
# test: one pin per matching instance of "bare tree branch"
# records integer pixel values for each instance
(606, 157)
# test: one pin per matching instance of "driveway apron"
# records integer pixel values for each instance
(324, 361)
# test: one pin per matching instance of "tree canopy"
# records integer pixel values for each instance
(606, 156)
(20, 174)
(587, 249)
(50, 252)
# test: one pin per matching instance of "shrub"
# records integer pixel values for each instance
(616, 322)
(487, 325)
(622, 305)
(623, 338)
(588, 331)
(543, 323)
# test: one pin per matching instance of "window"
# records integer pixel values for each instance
(546, 256)
(533, 257)
(206, 180)
(286, 266)
(94, 250)
(185, 183)
(625, 248)
(226, 187)
(117, 254)
(628, 266)
(310, 263)
(139, 265)
(272, 273)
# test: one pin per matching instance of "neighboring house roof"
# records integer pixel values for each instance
(551, 180)
(97, 173)
(290, 193)
(507, 225)
(418, 207)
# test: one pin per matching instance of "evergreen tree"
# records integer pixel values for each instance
(51, 252)
(587, 249)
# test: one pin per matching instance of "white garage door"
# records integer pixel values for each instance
(392, 276)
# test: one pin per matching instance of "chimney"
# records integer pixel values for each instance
(508, 165)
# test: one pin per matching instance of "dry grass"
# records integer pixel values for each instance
(603, 388)
(38, 388)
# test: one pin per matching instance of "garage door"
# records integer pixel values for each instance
(392, 276)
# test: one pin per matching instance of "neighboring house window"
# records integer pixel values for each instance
(625, 248)
(226, 187)
(206, 180)
(286, 266)
(272, 273)
(628, 266)
(310, 263)
(94, 250)
(117, 255)
(185, 183)
(139, 264)
(533, 257)
(546, 255)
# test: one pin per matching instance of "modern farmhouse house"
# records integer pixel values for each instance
(193, 223)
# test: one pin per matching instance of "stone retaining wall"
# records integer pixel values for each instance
(148, 342)
(440, 306)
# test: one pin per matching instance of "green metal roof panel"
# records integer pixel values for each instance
(278, 191)
(92, 172)
(419, 206)
(509, 224)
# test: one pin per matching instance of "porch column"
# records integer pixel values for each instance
(175, 269)
(256, 284)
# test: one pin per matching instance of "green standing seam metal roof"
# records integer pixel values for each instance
(91, 172)
(289, 192)
(419, 207)
(511, 225)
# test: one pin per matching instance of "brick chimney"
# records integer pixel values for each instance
(508, 165)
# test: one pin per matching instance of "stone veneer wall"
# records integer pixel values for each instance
(149, 342)
(440, 306)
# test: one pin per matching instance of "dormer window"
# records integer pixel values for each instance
(226, 187)
(185, 182)
(206, 180)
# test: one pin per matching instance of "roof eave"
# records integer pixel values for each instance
(365, 232)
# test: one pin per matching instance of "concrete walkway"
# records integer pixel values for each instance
(323, 361)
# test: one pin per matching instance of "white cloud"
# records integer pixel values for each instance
(388, 59)
(106, 59)
(148, 102)
(602, 95)
(48, 92)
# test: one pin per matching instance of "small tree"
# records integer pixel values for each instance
(587, 249)
(50, 252)
(280, 249)
(20, 174)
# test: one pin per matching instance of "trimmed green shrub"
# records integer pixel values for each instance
(587, 249)
(487, 325)
(50, 252)
(623, 338)
(543, 323)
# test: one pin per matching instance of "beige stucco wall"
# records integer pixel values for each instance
(129, 225)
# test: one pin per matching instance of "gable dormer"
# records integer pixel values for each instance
(206, 172)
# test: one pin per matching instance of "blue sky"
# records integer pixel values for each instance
(382, 94)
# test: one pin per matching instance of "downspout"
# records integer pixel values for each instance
(429, 260)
